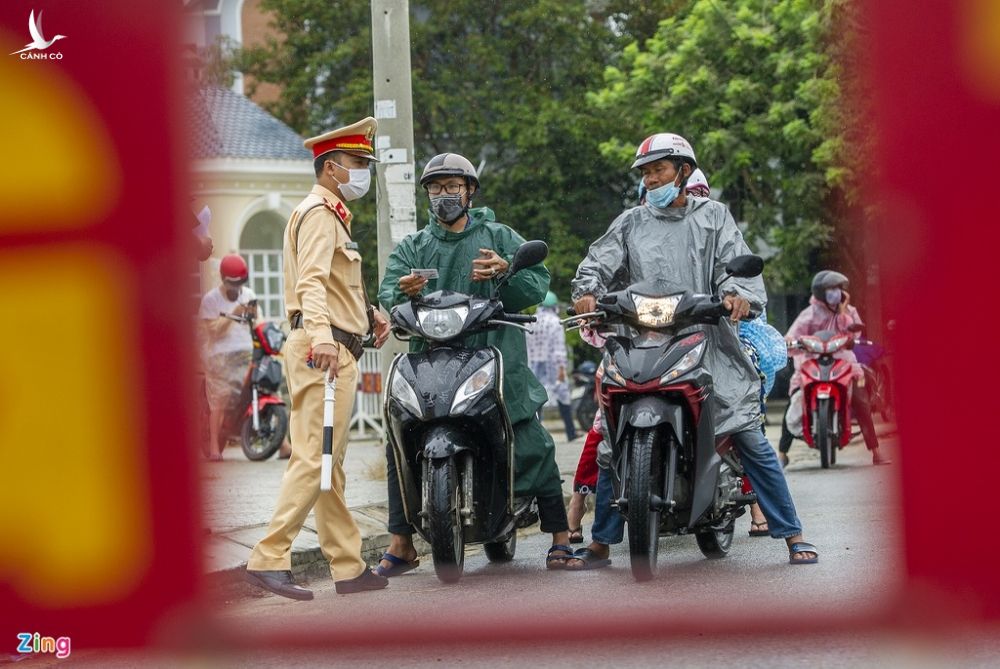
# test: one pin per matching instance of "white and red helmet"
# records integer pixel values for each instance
(664, 145)
(697, 182)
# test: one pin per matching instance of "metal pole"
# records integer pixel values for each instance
(394, 173)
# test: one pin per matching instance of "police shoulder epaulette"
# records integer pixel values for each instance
(337, 208)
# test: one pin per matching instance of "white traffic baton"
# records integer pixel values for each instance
(326, 470)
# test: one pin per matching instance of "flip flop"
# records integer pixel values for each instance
(589, 560)
(759, 532)
(802, 547)
(576, 536)
(399, 565)
(558, 561)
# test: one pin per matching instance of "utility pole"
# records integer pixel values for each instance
(394, 173)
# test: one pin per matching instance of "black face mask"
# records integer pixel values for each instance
(447, 208)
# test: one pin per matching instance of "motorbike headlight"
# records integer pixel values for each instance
(656, 312)
(403, 393)
(481, 380)
(812, 344)
(683, 365)
(837, 343)
(442, 324)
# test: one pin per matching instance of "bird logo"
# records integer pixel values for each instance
(38, 41)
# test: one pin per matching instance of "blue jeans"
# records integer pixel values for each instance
(761, 465)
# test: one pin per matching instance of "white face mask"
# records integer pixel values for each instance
(358, 183)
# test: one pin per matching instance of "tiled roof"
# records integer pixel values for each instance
(224, 124)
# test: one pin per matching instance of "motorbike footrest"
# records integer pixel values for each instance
(748, 498)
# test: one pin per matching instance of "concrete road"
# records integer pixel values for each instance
(848, 512)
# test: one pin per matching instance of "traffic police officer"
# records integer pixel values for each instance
(329, 314)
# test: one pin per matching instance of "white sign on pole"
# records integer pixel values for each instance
(385, 109)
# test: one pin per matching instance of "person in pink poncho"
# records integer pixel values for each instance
(830, 309)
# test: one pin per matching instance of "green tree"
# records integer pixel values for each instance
(754, 85)
(503, 83)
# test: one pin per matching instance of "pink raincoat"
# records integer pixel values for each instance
(814, 318)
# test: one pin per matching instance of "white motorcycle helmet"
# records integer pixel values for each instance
(664, 145)
(698, 182)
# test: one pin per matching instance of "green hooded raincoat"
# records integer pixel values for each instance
(452, 253)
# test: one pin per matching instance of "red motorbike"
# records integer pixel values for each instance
(826, 386)
(259, 417)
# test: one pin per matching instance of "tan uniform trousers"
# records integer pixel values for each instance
(339, 537)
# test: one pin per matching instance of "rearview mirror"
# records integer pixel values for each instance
(745, 267)
(528, 254)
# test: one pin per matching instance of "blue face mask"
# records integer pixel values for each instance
(833, 297)
(662, 197)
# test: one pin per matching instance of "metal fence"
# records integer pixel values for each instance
(367, 417)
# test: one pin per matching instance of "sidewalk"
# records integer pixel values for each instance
(239, 497)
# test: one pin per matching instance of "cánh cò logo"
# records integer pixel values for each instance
(37, 47)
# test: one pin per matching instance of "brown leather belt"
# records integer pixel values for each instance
(351, 341)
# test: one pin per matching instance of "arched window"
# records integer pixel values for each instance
(260, 244)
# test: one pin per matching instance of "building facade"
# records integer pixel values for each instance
(251, 170)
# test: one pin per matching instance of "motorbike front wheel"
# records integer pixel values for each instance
(445, 521)
(824, 441)
(503, 550)
(715, 544)
(263, 443)
(645, 480)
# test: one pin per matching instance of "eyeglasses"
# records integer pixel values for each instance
(450, 189)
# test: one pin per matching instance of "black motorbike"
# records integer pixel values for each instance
(448, 425)
(669, 473)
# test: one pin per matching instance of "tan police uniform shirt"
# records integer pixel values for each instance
(323, 268)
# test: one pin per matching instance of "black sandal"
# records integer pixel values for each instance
(576, 535)
(802, 547)
(759, 532)
(558, 561)
(589, 559)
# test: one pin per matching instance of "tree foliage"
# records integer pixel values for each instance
(552, 97)
(502, 83)
(753, 85)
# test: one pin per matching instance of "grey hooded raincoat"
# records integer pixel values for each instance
(688, 245)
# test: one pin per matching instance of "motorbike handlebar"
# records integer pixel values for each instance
(518, 318)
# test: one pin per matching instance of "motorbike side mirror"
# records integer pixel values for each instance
(528, 254)
(745, 266)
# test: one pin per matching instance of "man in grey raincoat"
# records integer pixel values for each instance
(688, 241)
(471, 250)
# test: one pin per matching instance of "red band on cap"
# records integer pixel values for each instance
(346, 143)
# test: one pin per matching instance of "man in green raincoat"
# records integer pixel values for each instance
(470, 251)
